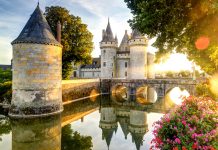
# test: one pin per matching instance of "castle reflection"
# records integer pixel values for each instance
(121, 116)
(36, 134)
(129, 114)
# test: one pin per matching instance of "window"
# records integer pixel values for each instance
(104, 64)
(125, 74)
(112, 64)
(112, 74)
(126, 64)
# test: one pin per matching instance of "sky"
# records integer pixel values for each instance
(94, 13)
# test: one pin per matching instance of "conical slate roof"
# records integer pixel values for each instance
(138, 139)
(125, 38)
(107, 135)
(136, 34)
(108, 36)
(37, 30)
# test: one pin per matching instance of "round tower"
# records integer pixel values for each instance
(138, 56)
(37, 70)
(138, 126)
(108, 46)
(151, 71)
(108, 123)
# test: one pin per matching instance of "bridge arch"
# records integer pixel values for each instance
(146, 94)
(119, 93)
(175, 94)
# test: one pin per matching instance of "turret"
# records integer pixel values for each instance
(138, 126)
(150, 65)
(108, 46)
(138, 56)
(37, 63)
(108, 123)
(123, 57)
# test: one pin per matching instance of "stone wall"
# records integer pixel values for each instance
(81, 88)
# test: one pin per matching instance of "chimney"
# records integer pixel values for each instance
(59, 31)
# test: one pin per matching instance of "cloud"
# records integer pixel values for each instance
(15, 13)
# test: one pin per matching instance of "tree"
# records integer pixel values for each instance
(186, 26)
(76, 39)
(73, 140)
(5, 75)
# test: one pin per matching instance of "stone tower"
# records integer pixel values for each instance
(123, 57)
(108, 123)
(150, 65)
(138, 126)
(138, 56)
(37, 63)
(108, 46)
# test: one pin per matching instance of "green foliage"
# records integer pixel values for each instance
(177, 25)
(193, 125)
(5, 75)
(6, 92)
(75, 37)
(5, 85)
(73, 140)
(203, 89)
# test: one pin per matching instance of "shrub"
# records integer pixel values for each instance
(5, 75)
(6, 92)
(193, 125)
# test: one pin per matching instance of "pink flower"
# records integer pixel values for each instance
(194, 135)
(177, 140)
(184, 123)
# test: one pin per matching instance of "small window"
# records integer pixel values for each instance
(112, 74)
(104, 64)
(126, 64)
(93, 74)
(112, 64)
(125, 74)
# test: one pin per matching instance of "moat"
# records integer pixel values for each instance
(98, 123)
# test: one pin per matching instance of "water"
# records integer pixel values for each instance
(99, 123)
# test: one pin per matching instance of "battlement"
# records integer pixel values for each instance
(109, 44)
(139, 41)
(123, 55)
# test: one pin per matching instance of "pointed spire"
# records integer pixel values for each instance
(109, 31)
(37, 30)
(116, 40)
(38, 3)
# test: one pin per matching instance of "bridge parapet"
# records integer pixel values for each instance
(161, 85)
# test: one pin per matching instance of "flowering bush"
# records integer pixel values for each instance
(193, 125)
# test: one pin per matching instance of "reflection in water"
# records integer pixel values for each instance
(131, 120)
(38, 133)
(146, 95)
(119, 125)
(5, 126)
(74, 141)
(176, 95)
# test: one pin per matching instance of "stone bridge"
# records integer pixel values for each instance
(161, 86)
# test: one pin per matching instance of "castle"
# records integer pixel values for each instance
(128, 60)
